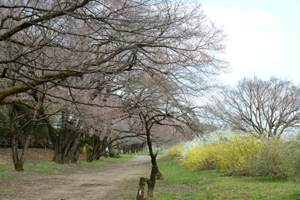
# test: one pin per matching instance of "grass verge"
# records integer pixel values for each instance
(48, 168)
(183, 183)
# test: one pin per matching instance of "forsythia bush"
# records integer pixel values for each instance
(203, 157)
(236, 154)
(175, 151)
(241, 154)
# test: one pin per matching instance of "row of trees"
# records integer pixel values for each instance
(104, 72)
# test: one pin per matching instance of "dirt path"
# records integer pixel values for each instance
(104, 183)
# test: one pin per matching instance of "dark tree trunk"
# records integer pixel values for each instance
(154, 171)
(19, 162)
(110, 147)
(79, 149)
(151, 182)
(141, 147)
(140, 193)
(153, 160)
(119, 149)
(67, 144)
(14, 142)
(127, 149)
(132, 148)
(98, 148)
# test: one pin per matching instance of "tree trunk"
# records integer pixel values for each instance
(14, 143)
(159, 175)
(67, 146)
(132, 148)
(74, 160)
(151, 183)
(140, 193)
(19, 162)
(79, 148)
(126, 149)
(98, 148)
(154, 170)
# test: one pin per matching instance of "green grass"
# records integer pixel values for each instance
(183, 183)
(143, 153)
(146, 153)
(7, 168)
(10, 176)
(43, 167)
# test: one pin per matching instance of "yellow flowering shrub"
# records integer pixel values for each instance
(236, 154)
(231, 156)
(204, 157)
(241, 154)
(175, 151)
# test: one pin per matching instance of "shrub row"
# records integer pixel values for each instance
(241, 154)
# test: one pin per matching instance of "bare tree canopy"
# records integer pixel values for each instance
(78, 53)
(261, 107)
(48, 41)
(155, 101)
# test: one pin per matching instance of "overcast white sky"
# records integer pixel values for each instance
(263, 37)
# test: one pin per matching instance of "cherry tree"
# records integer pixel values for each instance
(69, 46)
(155, 101)
(100, 126)
(30, 118)
(54, 40)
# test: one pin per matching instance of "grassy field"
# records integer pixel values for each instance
(183, 183)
